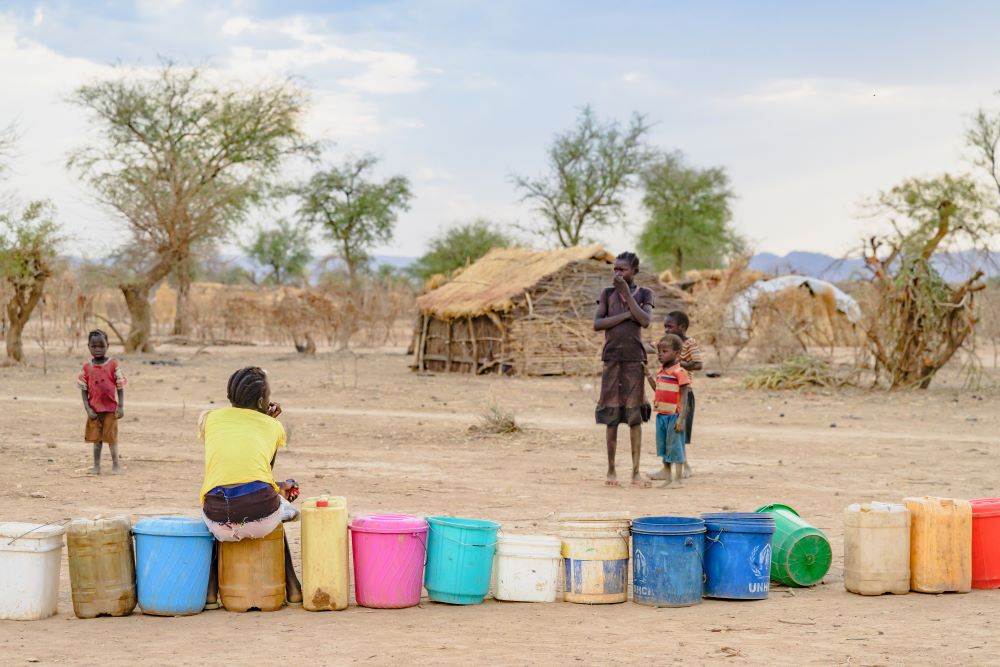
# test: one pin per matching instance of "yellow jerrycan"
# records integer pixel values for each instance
(101, 566)
(325, 577)
(940, 544)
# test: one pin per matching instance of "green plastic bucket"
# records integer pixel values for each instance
(801, 554)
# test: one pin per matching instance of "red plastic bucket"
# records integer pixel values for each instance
(985, 543)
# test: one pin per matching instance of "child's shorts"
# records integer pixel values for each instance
(669, 443)
(102, 429)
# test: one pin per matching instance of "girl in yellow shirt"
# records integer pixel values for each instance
(240, 498)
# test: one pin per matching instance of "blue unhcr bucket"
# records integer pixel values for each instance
(667, 553)
(737, 556)
(459, 559)
(172, 560)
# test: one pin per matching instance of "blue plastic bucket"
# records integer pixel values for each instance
(667, 553)
(172, 560)
(459, 559)
(737, 556)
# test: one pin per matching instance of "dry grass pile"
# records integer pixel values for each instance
(799, 372)
(494, 420)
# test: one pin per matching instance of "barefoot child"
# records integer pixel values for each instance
(623, 310)
(240, 499)
(102, 385)
(671, 387)
(691, 360)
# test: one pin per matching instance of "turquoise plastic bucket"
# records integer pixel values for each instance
(459, 559)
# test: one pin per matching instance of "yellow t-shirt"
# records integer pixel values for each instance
(239, 446)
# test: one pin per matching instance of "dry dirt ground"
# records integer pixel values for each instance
(393, 441)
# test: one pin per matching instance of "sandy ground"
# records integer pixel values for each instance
(393, 441)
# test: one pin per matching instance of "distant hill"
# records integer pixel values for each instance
(954, 267)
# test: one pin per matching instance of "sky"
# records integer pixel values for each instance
(810, 106)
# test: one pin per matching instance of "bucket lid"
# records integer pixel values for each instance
(388, 523)
(332, 502)
(595, 516)
(16, 530)
(668, 525)
(465, 524)
(736, 516)
(985, 507)
(776, 506)
(172, 526)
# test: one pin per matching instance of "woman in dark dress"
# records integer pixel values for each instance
(623, 310)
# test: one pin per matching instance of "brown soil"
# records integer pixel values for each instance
(393, 441)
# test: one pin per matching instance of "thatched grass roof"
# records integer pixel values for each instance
(492, 283)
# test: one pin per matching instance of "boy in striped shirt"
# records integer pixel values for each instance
(691, 360)
(671, 387)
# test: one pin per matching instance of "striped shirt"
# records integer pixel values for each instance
(691, 351)
(668, 389)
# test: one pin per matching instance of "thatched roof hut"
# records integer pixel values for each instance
(526, 312)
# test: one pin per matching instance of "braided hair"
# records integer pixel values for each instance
(98, 332)
(631, 258)
(247, 388)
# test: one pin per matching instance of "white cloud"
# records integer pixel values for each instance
(631, 77)
(39, 16)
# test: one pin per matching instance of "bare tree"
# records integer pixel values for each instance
(590, 168)
(182, 160)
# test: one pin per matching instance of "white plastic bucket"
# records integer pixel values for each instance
(595, 547)
(30, 554)
(527, 568)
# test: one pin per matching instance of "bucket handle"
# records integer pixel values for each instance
(57, 522)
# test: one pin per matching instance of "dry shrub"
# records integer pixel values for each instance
(494, 420)
(714, 292)
(798, 372)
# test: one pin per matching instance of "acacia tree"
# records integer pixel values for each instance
(591, 167)
(181, 160)
(28, 241)
(283, 251)
(354, 211)
(689, 223)
(919, 321)
(459, 246)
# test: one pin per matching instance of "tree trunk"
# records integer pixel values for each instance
(15, 348)
(140, 311)
(19, 310)
(182, 323)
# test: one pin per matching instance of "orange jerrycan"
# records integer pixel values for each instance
(940, 544)
(252, 573)
(101, 566)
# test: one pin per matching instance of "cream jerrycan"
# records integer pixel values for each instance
(877, 548)
(940, 544)
(325, 577)
(101, 566)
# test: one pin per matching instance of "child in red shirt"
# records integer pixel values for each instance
(670, 386)
(102, 385)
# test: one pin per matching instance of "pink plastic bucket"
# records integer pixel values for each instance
(389, 554)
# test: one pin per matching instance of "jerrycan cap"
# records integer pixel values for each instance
(323, 502)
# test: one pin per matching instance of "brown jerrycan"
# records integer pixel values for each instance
(101, 566)
(252, 573)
